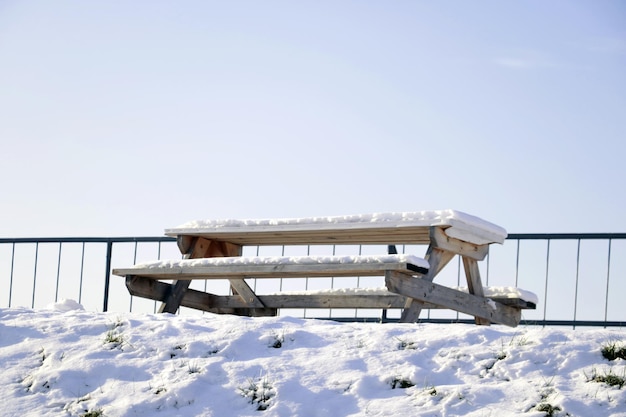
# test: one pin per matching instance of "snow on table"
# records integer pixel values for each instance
(460, 225)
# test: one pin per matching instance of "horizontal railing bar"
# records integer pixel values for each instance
(573, 323)
(87, 239)
(577, 323)
(512, 236)
(561, 236)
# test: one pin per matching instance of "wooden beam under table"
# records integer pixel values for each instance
(426, 291)
(234, 304)
(437, 258)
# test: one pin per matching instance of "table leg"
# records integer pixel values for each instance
(474, 283)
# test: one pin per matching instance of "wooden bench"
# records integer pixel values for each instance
(212, 250)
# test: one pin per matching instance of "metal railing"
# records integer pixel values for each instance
(582, 265)
(578, 278)
(18, 273)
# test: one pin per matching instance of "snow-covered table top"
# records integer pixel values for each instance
(383, 228)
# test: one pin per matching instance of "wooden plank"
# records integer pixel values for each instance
(174, 297)
(245, 292)
(351, 301)
(184, 243)
(315, 300)
(437, 259)
(424, 290)
(189, 249)
(441, 240)
(222, 249)
(157, 290)
(200, 247)
(474, 283)
(269, 270)
(348, 236)
(515, 303)
(334, 301)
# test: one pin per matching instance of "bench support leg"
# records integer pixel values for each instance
(195, 248)
(175, 296)
(243, 290)
(426, 291)
(441, 250)
(437, 258)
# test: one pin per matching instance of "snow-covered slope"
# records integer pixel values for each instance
(68, 362)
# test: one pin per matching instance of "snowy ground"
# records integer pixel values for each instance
(68, 362)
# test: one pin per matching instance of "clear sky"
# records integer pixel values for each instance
(124, 118)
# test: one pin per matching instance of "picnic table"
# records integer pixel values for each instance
(212, 249)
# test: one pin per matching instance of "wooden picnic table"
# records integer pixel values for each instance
(212, 250)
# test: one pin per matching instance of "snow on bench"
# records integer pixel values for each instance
(501, 294)
(276, 267)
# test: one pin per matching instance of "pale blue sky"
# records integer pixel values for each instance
(125, 118)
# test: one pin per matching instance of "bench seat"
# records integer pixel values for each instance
(277, 267)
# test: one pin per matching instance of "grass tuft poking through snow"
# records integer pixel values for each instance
(193, 368)
(401, 382)
(406, 344)
(614, 350)
(549, 409)
(93, 413)
(277, 340)
(608, 377)
(113, 339)
(258, 392)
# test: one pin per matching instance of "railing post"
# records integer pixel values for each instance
(545, 299)
(576, 286)
(608, 277)
(11, 277)
(107, 276)
(56, 292)
(32, 305)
